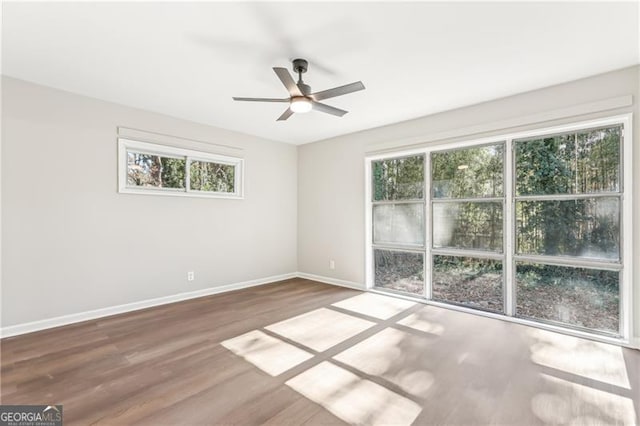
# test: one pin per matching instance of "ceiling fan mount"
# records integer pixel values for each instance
(300, 66)
(301, 99)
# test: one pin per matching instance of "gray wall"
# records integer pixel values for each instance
(72, 243)
(331, 173)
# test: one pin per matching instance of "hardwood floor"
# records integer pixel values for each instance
(301, 352)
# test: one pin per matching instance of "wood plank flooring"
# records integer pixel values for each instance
(345, 357)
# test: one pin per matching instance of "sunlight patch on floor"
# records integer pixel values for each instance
(269, 354)
(585, 358)
(389, 354)
(576, 404)
(375, 305)
(421, 322)
(320, 329)
(353, 399)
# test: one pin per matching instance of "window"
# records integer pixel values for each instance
(528, 226)
(399, 224)
(567, 206)
(467, 210)
(146, 168)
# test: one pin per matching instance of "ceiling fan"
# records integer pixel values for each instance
(300, 97)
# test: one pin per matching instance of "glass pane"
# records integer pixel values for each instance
(468, 172)
(576, 296)
(576, 163)
(398, 178)
(214, 177)
(587, 228)
(468, 281)
(598, 162)
(475, 226)
(398, 223)
(155, 171)
(399, 270)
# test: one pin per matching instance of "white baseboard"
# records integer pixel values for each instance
(334, 281)
(30, 327)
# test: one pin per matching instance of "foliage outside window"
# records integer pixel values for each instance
(469, 281)
(475, 172)
(401, 271)
(157, 169)
(399, 179)
(582, 297)
(210, 176)
(528, 227)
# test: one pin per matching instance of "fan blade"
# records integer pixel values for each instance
(261, 99)
(302, 89)
(288, 113)
(338, 91)
(288, 82)
(329, 109)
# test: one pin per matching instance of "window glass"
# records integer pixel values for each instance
(398, 223)
(564, 207)
(398, 178)
(588, 228)
(468, 281)
(468, 225)
(468, 172)
(147, 170)
(580, 297)
(399, 270)
(210, 176)
(168, 170)
(575, 163)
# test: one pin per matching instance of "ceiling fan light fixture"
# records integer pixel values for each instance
(300, 104)
(301, 99)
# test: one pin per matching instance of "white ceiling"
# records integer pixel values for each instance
(188, 59)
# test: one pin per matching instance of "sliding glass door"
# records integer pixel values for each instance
(528, 226)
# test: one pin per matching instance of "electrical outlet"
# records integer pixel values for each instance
(332, 264)
(191, 276)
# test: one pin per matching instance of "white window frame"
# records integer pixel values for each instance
(626, 228)
(126, 145)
